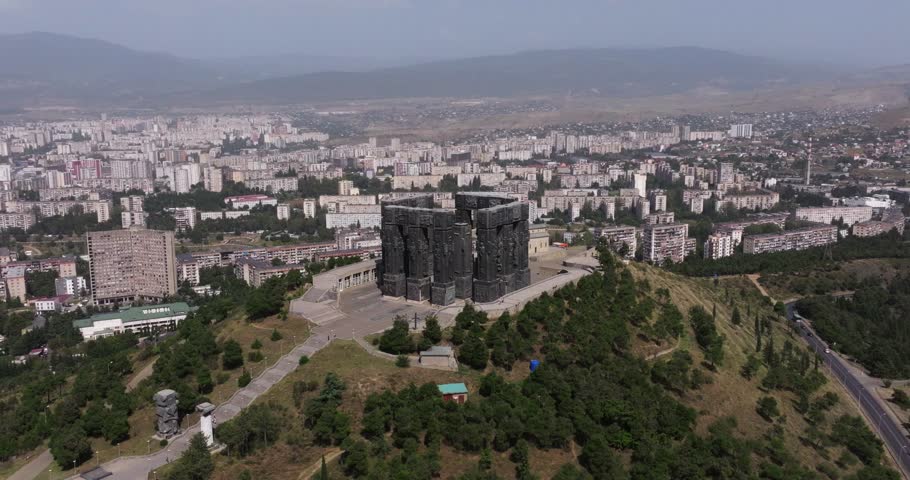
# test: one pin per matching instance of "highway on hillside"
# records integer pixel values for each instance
(888, 429)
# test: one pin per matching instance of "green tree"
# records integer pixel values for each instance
(402, 361)
(323, 470)
(473, 352)
(276, 335)
(735, 317)
(70, 444)
(244, 379)
(767, 408)
(195, 463)
(232, 355)
(598, 458)
(431, 329)
(397, 340)
(256, 345)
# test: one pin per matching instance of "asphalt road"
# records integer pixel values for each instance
(888, 430)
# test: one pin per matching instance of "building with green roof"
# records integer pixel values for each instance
(140, 320)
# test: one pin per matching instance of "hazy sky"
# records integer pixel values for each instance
(868, 32)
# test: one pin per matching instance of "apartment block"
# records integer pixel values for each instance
(799, 239)
(283, 211)
(16, 220)
(719, 245)
(666, 242)
(131, 264)
(619, 236)
(847, 215)
(892, 219)
(133, 219)
(757, 200)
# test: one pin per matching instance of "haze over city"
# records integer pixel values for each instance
(843, 32)
(454, 239)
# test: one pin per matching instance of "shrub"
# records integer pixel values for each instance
(244, 379)
(402, 361)
(304, 360)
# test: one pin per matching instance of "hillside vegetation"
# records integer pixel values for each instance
(731, 395)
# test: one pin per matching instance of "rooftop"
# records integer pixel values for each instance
(452, 388)
(137, 314)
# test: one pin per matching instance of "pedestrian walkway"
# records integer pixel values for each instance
(35, 468)
(130, 468)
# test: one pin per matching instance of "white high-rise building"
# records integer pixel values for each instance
(132, 203)
(658, 200)
(185, 217)
(309, 208)
(719, 245)
(743, 130)
(641, 182)
(133, 219)
(212, 179)
(5, 172)
(345, 187)
(283, 211)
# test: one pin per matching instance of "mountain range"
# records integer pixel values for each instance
(51, 69)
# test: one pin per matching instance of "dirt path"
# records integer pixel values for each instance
(142, 375)
(314, 470)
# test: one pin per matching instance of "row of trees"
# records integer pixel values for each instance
(872, 327)
(889, 245)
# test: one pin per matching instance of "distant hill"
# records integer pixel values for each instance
(45, 67)
(609, 72)
(41, 69)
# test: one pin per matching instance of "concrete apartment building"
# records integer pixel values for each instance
(892, 219)
(665, 242)
(756, 200)
(256, 272)
(799, 239)
(826, 215)
(619, 235)
(131, 264)
(16, 220)
(719, 245)
(309, 208)
(283, 211)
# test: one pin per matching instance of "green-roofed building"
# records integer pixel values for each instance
(139, 320)
(454, 392)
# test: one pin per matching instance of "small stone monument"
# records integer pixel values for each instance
(166, 410)
(205, 422)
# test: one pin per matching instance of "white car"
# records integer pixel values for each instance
(827, 350)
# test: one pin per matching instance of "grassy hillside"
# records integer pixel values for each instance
(334, 401)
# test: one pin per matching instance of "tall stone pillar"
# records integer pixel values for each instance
(443, 287)
(463, 260)
(206, 421)
(166, 402)
(419, 255)
(507, 251)
(522, 274)
(393, 259)
(488, 265)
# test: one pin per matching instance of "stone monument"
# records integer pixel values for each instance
(428, 253)
(166, 412)
(205, 410)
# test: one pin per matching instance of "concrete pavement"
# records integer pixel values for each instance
(35, 468)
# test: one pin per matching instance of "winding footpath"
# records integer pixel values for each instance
(139, 467)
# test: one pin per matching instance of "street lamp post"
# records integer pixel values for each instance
(148, 447)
